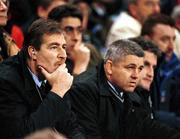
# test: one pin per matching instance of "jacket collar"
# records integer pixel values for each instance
(31, 92)
(105, 89)
(102, 80)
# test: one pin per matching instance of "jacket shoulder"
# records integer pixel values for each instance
(10, 69)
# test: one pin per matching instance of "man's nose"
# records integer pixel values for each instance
(62, 54)
(135, 74)
(150, 72)
(3, 5)
(76, 34)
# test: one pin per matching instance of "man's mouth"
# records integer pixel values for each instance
(147, 80)
(132, 84)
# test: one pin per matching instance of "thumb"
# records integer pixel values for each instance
(44, 72)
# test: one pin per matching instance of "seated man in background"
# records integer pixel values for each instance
(129, 23)
(26, 103)
(80, 55)
(151, 55)
(101, 98)
(160, 29)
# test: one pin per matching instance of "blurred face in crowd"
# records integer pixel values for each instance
(72, 28)
(164, 37)
(45, 134)
(43, 13)
(3, 12)
(124, 73)
(147, 74)
(143, 8)
(52, 52)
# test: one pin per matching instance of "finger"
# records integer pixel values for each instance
(44, 72)
(72, 78)
(65, 70)
(61, 67)
(85, 49)
(78, 45)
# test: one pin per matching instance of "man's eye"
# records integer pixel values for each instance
(64, 46)
(130, 67)
(141, 68)
(80, 30)
(68, 29)
(53, 47)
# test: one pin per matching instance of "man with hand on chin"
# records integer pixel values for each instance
(25, 106)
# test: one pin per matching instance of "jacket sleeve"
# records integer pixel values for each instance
(17, 118)
(84, 103)
(154, 129)
(140, 125)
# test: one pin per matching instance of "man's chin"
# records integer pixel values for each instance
(3, 23)
(146, 87)
(130, 90)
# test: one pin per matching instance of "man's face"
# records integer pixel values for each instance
(147, 74)
(52, 52)
(43, 12)
(164, 37)
(72, 28)
(125, 72)
(3, 12)
(145, 8)
(55, 3)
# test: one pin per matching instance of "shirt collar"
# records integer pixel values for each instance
(36, 79)
(117, 93)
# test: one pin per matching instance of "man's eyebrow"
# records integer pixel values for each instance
(53, 43)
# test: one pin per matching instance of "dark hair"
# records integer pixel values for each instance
(147, 45)
(44, 3)
(63, 11)
(16, 8)
(37, 30)
(153, 20)
(122, 48)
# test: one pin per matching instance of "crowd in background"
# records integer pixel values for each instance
(100, 23)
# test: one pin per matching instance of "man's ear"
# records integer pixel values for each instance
(32, 52)
(108, 68)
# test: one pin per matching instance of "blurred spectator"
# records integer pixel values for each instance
(128, 24)
(80, 55)
(161, 30)
(46, 134)
(43, 7)
(97, 19)
(17, 21)
(143, 89)
(176, 16)
(7, 44)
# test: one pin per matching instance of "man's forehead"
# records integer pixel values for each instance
(47, 37)
(133, 59)
(154, 1)
(150, 57)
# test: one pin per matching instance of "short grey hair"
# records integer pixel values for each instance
(121, 48)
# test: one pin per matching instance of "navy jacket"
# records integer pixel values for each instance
(101, 114)
(21, 109)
